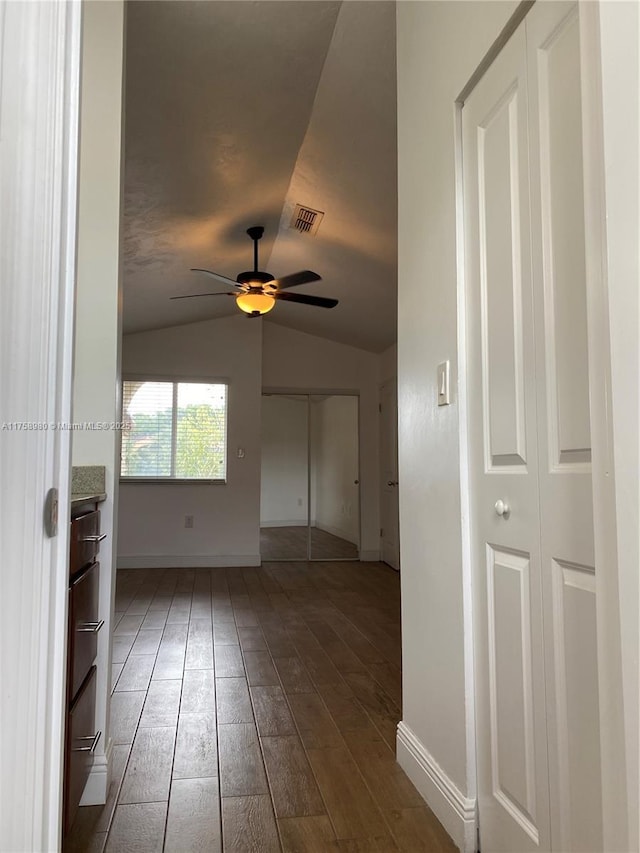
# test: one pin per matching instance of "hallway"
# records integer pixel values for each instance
(255, 710)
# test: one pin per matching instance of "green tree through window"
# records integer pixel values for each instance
(174, 430)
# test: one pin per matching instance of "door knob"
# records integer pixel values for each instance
(356, 482)
(392, 482)
(502, 508)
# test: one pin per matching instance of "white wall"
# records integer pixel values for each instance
(439, 46)
(226, 517)
(294, 361)
(334, 435)
(97, 329)
(285, 461)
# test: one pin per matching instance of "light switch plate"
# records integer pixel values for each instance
(444, 395)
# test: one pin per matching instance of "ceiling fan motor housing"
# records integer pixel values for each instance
(254, 276)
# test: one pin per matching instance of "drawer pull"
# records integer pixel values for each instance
(90, 627)
(94, 742)
(97, 538)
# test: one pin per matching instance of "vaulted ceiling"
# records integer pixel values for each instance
(235, 112)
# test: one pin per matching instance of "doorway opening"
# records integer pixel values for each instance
(310, 482)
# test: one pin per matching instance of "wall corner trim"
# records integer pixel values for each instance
(97, 787)
(454, 810)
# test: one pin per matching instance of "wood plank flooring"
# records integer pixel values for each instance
(255, 710)
(290, 543)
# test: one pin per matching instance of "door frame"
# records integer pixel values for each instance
(616, 806)
(39, 103)
(391, 381)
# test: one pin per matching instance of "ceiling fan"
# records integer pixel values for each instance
(256, 292)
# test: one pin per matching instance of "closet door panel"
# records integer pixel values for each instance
(560, 310)
(513, 789)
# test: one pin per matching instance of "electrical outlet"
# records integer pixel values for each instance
(188, 521)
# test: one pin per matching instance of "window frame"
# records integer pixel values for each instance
(175, 381)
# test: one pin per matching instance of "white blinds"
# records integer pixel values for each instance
(174, 430)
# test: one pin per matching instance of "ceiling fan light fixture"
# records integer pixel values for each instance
(252, 302)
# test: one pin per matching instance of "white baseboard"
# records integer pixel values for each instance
(97, 787)
(369, 556)
(301, 522)
(455, 811)
(187, 561)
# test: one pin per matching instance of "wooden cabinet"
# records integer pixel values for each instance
(84, 624)
(82, 739)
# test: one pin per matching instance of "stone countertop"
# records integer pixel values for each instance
(92, 497)
(88, 479)
(87, 484)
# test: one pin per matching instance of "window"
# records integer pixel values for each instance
(174, 431)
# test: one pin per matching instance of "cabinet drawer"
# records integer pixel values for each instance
(83, 626)
(82, 740)
(85, 536)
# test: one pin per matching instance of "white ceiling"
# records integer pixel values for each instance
(236, 111)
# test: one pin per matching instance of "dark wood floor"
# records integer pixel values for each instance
(291, 543)
(255, 710)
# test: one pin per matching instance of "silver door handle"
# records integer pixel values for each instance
(90, 627)
(94, 742)
(392, 482)
(502, 508)
(96, 538)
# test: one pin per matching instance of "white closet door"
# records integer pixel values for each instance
(564, 441)
(511, 724)
(531, 448)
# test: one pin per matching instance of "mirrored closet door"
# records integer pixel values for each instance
(310, 490)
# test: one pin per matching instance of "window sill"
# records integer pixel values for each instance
(169, 481)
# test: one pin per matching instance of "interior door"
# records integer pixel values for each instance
(513, 789)
(564, 435)
(531, 445)
(389, 471)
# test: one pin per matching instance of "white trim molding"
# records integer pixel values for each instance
(39, 105)
(456, 812)
(97, 787)
(187, 561)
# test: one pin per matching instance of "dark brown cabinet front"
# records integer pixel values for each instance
(82, 740)
(84, 624)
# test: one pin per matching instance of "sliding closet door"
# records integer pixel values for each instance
(284, 490)
(334, 478)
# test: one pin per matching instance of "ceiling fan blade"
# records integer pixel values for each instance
(296, 278)
(319, 301)
(195, 295)
(222, 278)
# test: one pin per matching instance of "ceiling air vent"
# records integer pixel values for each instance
(306, 219)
